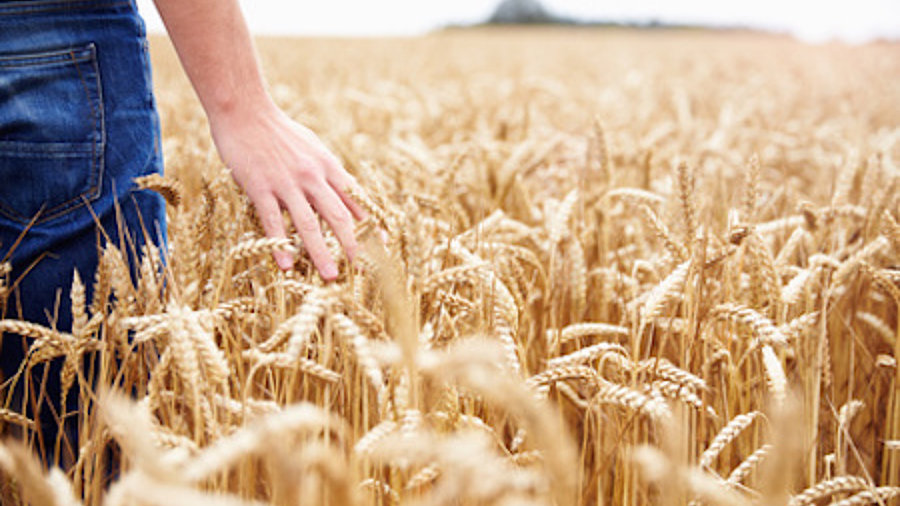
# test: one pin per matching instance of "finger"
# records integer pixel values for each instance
(307, 225)
(343, 186)
(270, 216)
(331, 207)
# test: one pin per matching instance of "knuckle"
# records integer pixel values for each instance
(307, 225)
(340, 220)
(270, 216)
(305, 176)
(310, 168)
(334, 163)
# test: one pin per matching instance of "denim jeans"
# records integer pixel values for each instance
(77, 125)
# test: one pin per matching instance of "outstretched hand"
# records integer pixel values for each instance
(282, 165)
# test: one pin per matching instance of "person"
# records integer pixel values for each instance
(78, 124)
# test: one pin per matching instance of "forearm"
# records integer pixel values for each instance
(215, 48)
(279, 163)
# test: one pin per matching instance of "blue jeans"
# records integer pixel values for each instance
(77, 125)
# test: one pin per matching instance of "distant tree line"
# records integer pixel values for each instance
(532, 12)
(510, 12)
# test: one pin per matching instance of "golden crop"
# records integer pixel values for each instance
(616, 268)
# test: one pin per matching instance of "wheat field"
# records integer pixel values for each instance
(601, 267)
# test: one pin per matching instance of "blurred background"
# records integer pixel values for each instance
(816, 21)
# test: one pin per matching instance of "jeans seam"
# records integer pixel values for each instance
(47, 149)
(56, 5)
(42, 63)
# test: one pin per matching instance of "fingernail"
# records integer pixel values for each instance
(329, 271)
(284, 261)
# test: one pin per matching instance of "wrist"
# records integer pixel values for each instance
(239, 105)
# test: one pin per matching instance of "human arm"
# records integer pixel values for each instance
(278, 162)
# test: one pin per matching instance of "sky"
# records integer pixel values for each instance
(812, 20)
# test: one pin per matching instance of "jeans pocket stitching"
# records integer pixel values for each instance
(93, 186)
(41, 63)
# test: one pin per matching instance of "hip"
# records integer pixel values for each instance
(77, 113)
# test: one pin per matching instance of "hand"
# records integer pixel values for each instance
(281, 164)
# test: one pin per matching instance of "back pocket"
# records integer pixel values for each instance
(51, 133)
